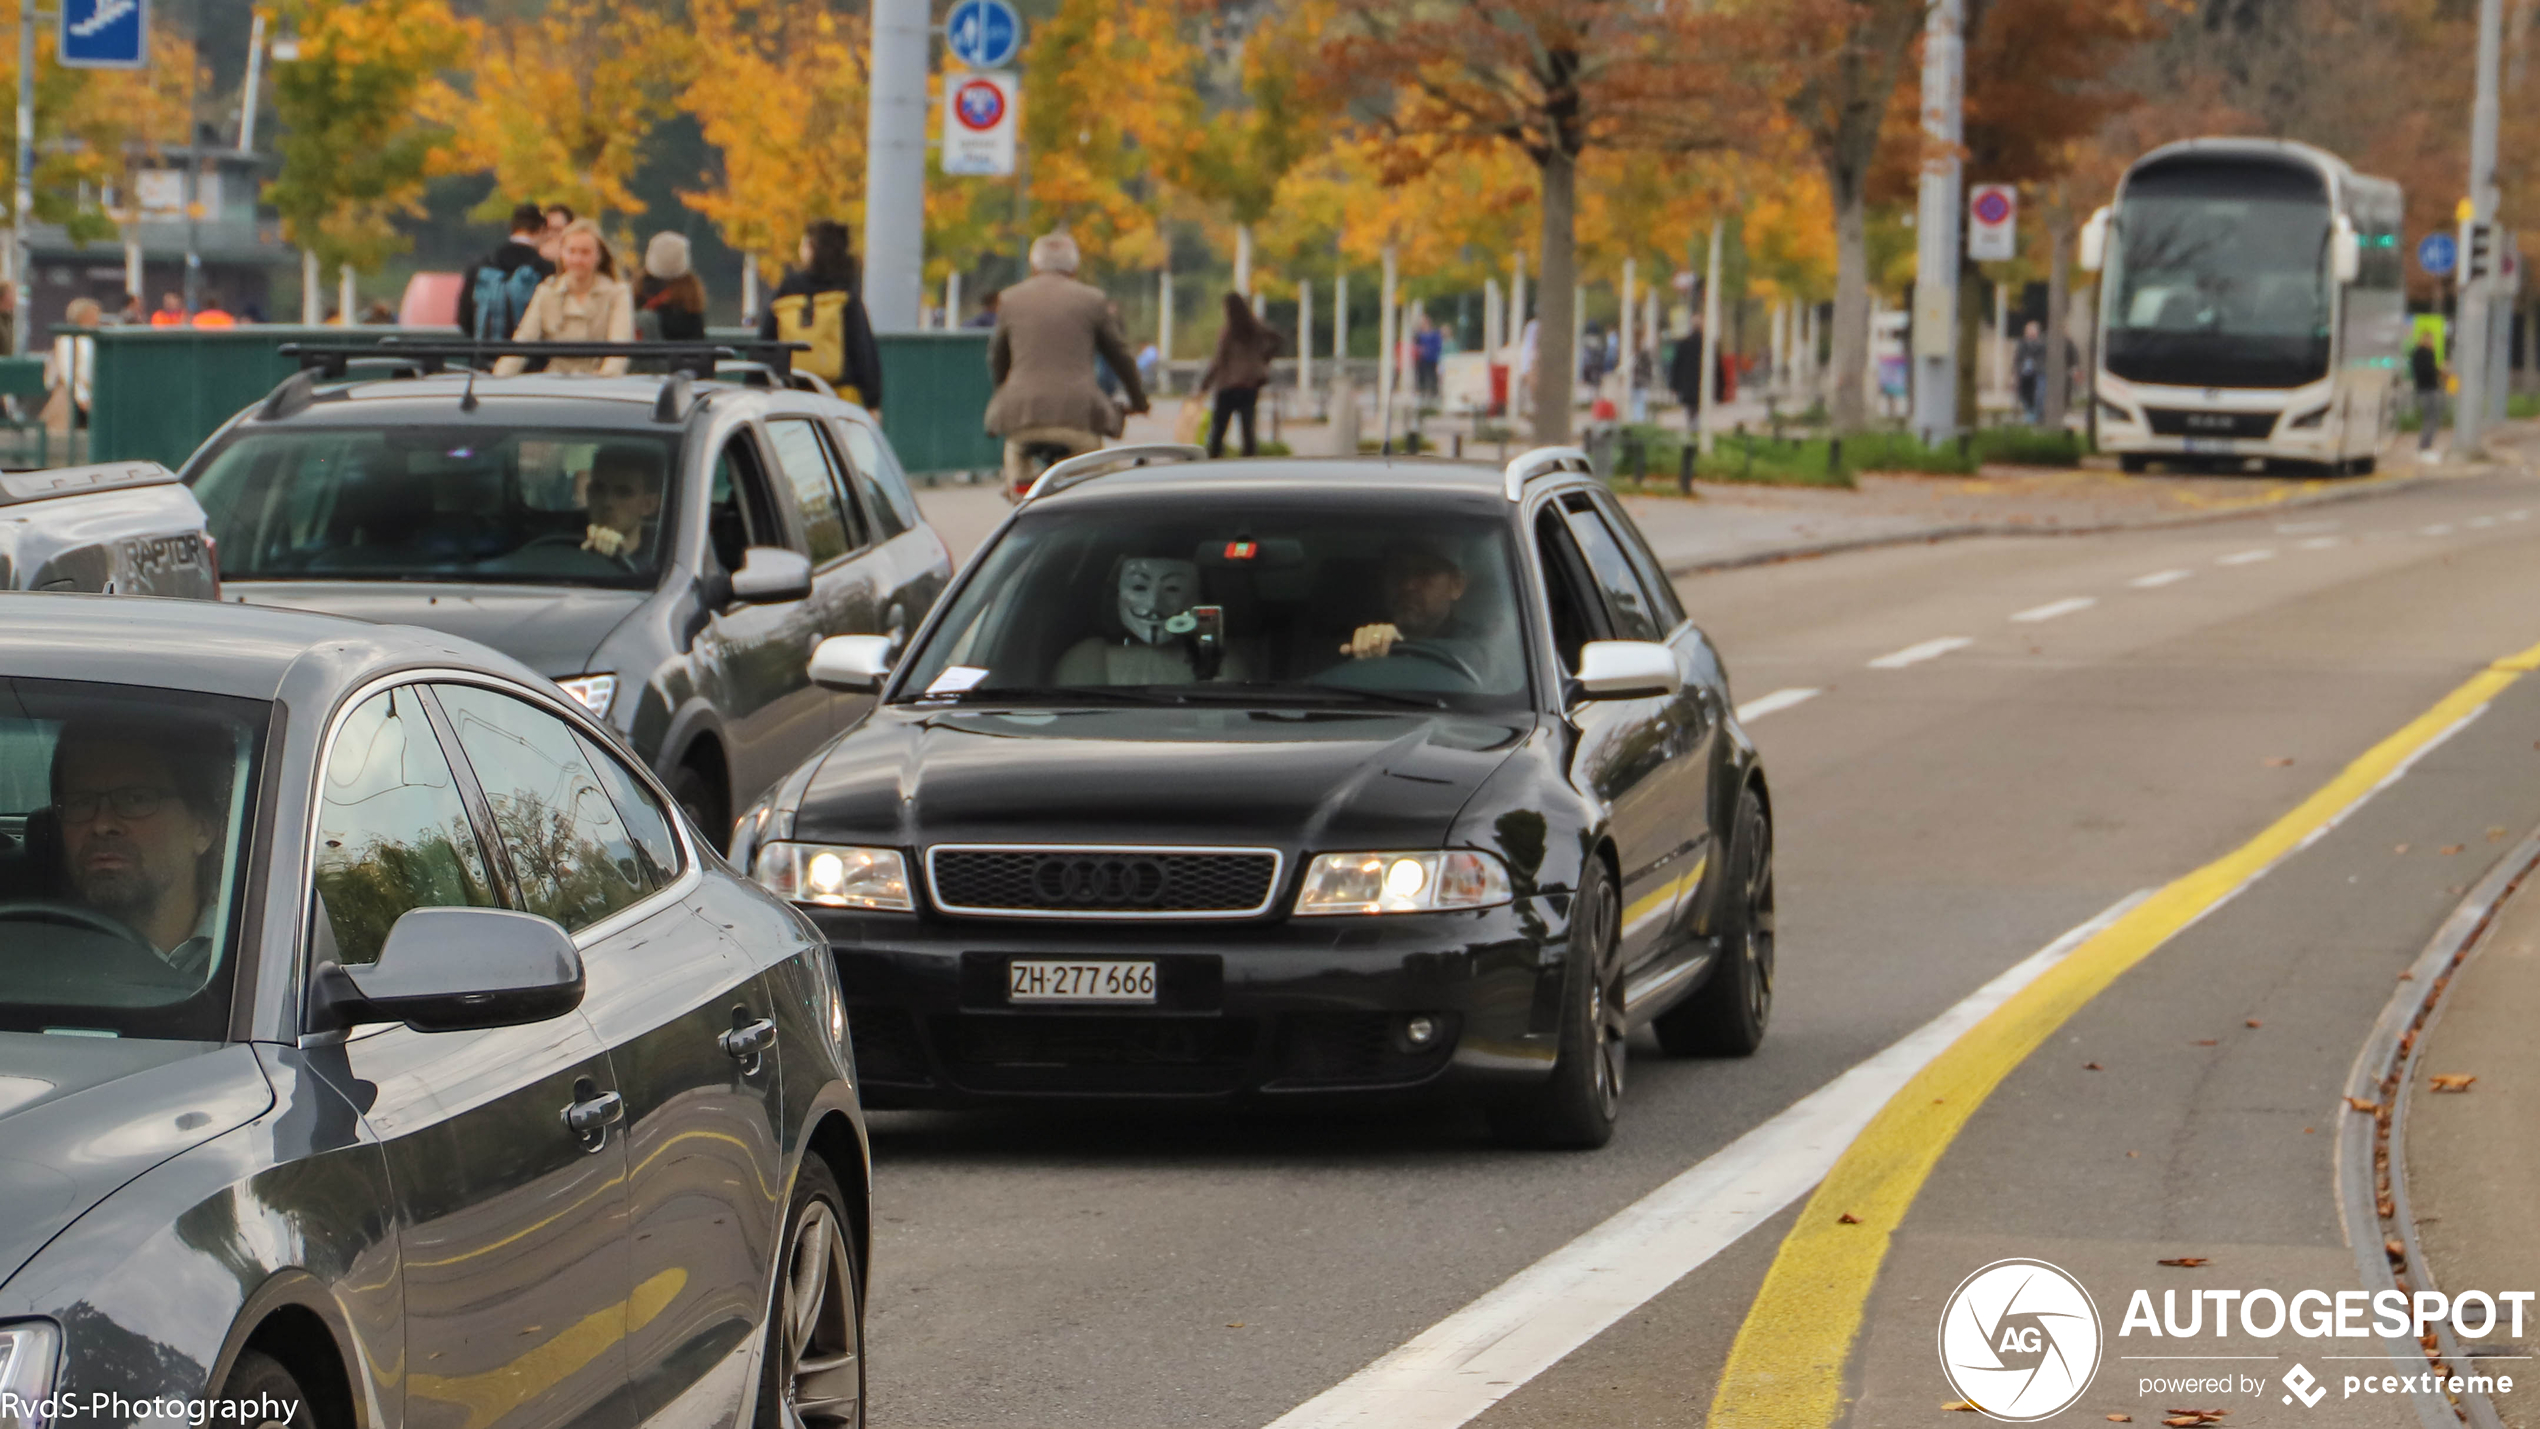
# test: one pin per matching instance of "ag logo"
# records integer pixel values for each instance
(2019, 1340)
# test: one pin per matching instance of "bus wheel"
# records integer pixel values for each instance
(2364, 465)
(2133, 462)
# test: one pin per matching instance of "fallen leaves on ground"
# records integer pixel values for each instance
(2450, 849)
(2452, 1081)
(1960, 1406)
(2495, 832)
(1847, 1219)
(2189, 1418)
(2279, 761)
(2367, 1108)
(2253, 1022)
(2394, 1250)
(2120, 1418)
(2092, 1067)
(2398, 848)
(2207, 1042)
(2189, 1262)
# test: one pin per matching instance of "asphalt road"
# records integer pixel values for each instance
(2006, 738)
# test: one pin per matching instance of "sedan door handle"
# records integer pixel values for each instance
(595, 1113)
(748, 1041)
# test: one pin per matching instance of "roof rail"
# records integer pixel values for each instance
(1065, 474)
(671, 405)
(1542, 461)
(332, 359)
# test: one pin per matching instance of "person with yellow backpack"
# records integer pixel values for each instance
(818, 304)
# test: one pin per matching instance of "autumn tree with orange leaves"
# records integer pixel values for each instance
(562, 103)
(1556, 80)
(779, 90)
(355, 147)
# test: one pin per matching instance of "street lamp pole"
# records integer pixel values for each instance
(2471, 356)
(22, 200)
(895, 166)
(1936, 215)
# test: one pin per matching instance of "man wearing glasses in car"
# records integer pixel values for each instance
(141, 819)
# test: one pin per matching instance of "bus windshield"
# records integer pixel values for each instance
(2219, 276)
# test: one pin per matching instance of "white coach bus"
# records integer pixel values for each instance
(2251, 308)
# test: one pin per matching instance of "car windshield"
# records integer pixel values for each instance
(124, 823)
(1212, 603)
(528, 505)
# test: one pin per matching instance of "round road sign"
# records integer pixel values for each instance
(979, 104)
(1992, 206)
(2437, 253)
(983, 34)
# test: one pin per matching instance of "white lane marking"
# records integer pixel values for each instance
(2518, 515)
(2242, 558)
(2322, 543)
(1763, 705)
(2481, 523)
(1469, 1361)
(2439, 528)
(2158, 579)
(2296, 528)
(1916, 654)
(2054, 608)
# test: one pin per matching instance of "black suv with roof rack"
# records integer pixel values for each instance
(668, 548)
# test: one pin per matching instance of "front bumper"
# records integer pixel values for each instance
(1264, 1010)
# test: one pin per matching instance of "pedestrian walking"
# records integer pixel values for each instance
(1428, 347)
(1237, 374)
(2028, 371)
(554, 220)
(581, 303)
(1684, 371)
(670, 300)
(2426, 371)
(496, 290)
(72, 366)
(986, 317)
(820, 304)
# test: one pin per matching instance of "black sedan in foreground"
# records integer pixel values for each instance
(379, 1049)
(1285, 778)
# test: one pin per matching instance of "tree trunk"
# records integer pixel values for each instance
(2056, 398)
(1850, 355)
(1556, 359)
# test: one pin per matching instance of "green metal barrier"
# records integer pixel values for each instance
(158, 392)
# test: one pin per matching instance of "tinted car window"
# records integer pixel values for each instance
(571, 852)
(1653, 576)
(877, 466)
(1625, 601)
(393, 831)
(805, 462)
(125, 818)
(737, 516)
(1577, 618)
(647, 822)
(1315, 604)
(458, 503)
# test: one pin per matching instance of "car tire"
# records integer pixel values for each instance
(259, 1374)
(1727, 1015)
(1576, 1106)
(811, 1368)
(704, 802)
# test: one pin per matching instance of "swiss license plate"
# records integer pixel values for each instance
(1052, 980)
(2203, 445)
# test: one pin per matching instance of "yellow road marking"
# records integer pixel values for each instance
(1785, 1370)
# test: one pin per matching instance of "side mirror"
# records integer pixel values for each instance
(852, 662)
(2345, 251)
(457, 970)
(770, 575)
(1628, 670)
(2094, 242)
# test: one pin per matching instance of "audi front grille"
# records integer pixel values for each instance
(1101, 881)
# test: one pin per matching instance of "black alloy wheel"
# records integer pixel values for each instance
(811, 1373)
(1575, 1108)
(703, 801)
(263, 1382)
(1727, 1015)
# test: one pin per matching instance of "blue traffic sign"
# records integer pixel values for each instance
(105, 34)
(983, 34)
(2437, 252)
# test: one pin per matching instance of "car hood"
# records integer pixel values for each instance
(1289, 779)
(81, 1116)
(553, 631)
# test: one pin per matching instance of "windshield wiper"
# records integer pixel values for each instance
(1183, 695)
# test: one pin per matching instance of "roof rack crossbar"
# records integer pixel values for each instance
(1542, 461)
(1064, 474)
(695, 357)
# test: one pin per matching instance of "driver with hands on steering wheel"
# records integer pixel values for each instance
(140, 812)
(1421, 586)
(624, 495)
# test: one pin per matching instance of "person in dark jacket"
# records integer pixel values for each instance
(821, 303)
(518, 251)
(1237, 373)
(669, 293)
(2425, 373)
(1684, 371)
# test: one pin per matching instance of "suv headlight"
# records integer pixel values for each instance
(30, 1356)
(1416, 882)
(835, 875)
(592, 692)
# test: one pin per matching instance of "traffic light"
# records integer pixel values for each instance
(2478, 247)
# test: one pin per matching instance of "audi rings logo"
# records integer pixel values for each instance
(1098, 882)
(2019, 1340)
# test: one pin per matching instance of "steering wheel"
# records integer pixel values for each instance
(1436, 654)
(47, 910)
(553, 538)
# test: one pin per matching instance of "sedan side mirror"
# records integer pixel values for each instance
(851, 662)
(457, 970)
(771, 575)
(1628, 670)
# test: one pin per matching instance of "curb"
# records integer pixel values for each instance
(2372, 1175)
(1937, 534)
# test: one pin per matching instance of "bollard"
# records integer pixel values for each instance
(1834, 455)
(1640, 462)
(1684, 470)
(1459, 446)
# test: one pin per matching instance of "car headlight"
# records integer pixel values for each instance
(2311, 418)
(592, 692)
(30, 1354)
(1418, 882)
(835, 876)
(2111, 412)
